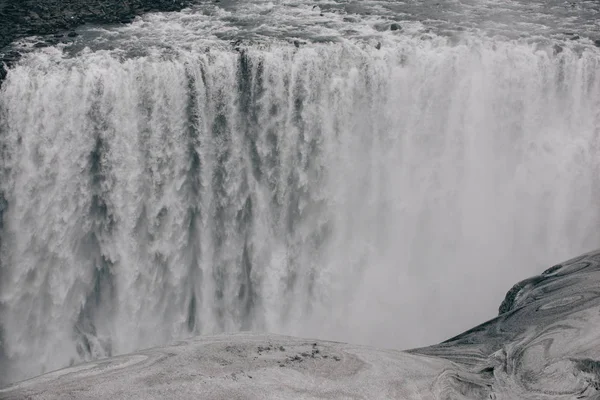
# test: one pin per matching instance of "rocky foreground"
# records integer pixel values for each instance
(545, 344)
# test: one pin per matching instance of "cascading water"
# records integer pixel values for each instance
(384, 194)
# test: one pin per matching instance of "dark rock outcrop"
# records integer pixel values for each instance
(395, 27)
(545, 340)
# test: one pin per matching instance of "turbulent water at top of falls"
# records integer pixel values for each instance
(361, 184)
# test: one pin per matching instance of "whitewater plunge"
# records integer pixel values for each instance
(383, 190)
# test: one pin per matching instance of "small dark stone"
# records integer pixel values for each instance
(304, 354)
(557, 49)
(378, 46)
(40, 45)
(395, 27)
(281, 348)
(576, 37)
(336, 358)
(72, 34)
(597, 42)
(296, 43)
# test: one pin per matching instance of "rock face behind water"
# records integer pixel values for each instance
(545, 344)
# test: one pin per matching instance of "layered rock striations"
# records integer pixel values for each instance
(544, 344)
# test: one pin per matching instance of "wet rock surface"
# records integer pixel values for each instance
(545, 342)
(240, 366)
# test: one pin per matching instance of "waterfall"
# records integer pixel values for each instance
(385, 195)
